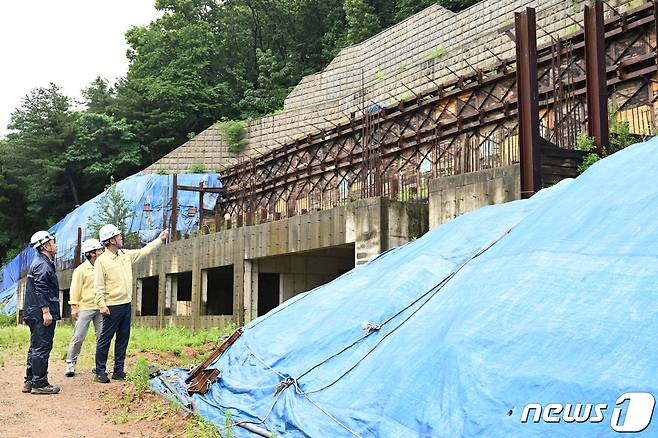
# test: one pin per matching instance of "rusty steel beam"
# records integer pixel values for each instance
(201, 193)
(194, 372)
(405, 142)
(78, 257)
(528, 101)
(205, 189)
(595, 70)
(174, 207)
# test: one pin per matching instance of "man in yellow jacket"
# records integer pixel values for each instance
(83, 308)
(113, 281)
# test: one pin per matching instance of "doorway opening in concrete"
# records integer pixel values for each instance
(66, 307)
(217, 291)
(269, 286)
(282, 277)
(147, 296)
(179, 294)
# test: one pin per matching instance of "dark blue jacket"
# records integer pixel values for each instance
(42, 287)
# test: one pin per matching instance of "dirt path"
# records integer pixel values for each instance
(76, 412)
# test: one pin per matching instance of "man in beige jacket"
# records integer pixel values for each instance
(114, 284)
(83, 308)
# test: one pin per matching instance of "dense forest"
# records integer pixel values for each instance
(200, 62)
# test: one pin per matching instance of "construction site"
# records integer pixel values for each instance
(352, 241)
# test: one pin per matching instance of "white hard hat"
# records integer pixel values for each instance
(40, 238)
(107, 232)
(90, 245)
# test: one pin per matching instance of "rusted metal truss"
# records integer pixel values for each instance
(466, 124)
(199, 375)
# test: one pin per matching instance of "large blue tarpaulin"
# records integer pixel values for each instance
(548, 300)
(149, 197)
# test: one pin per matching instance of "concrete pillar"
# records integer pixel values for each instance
(196, 283)
(250, 291)
(239, 277)
(365, 222)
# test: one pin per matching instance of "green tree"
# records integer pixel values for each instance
(14, 231)
(102, 147)
(174, 84)
(42, 130)
(362, 21)
(99, 96)
(271, 88)
(113, 208)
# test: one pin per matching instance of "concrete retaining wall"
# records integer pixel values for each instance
(453, 196)
(305, 250)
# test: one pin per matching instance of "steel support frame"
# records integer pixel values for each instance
(597, 88)
(528, 101)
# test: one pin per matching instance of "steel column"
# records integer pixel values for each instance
(174, 208)
(78, 257)
(595, 69)
(528, 101)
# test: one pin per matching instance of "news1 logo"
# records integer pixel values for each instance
(638, 412)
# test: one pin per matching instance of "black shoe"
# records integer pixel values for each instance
(50, 389)
(27, 387)
(118, 375)
(102, 378)
(69, 373)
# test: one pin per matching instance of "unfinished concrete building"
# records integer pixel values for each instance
(353, 167)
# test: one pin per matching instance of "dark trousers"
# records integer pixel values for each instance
(41, 343)
(117, 322)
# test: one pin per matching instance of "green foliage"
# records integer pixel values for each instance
(197, 168)
(6, 320)
(102, 146)
(139, 376)
(228, 424)
(113, 208)
(584, 143)
(589, 159)
(99, 96)
(235, 133)
(199, 427)
(406, 8)
(620, 137)
(362, 21)
(380, 76)
(9, 256)
(438, 52)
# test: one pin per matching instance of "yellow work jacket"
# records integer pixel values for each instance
(114, 274)
(82, 287)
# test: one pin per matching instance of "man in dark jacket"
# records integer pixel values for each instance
(41, 311)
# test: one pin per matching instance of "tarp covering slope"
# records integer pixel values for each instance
(139, 189)
(549, 300)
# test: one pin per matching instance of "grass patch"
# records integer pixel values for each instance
(171, 342)
(198, 426)
(139, 376)
(197, 168)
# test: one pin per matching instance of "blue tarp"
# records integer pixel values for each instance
(548, 300)
(139, 190)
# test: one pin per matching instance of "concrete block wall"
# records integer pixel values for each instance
(453, 196)
(405, 54)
